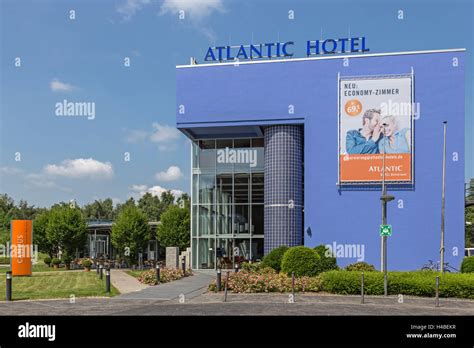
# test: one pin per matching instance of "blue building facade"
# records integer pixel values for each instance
(265, 154)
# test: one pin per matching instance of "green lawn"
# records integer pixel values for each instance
(61, 284)
(41, 267)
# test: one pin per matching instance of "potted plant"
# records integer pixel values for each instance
(47, 261)
(87, 265)
(55, 261)
(67, 262)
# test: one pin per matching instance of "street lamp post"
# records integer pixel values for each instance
(445, 124)
(384, 198)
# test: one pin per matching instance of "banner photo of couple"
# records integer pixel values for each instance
(375, 118)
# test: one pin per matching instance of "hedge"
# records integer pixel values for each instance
(407, 283)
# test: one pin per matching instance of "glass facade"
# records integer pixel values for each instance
(227, 202)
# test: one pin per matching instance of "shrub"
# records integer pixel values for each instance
(361, 267)
(166, 275)
(301, 260)
(327, 262)
(86, 263)
(274, 257)
(55, 261)
(266, 280)
(467, 265)
(251, 267)
(47, 261)
(67, 260)
(417, 283)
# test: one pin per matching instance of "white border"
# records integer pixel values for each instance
(322, 58)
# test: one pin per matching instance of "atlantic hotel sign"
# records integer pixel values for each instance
(285, 49)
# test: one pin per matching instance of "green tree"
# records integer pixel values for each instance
(167, 199)
(469, 232)
(7, 212)
(184, 201)
(119, 207)
(130, 232)
(40, 237)
(66, 229)
(151, 206)
(174, 228)
(99, 209)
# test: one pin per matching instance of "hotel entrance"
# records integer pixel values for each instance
(227, 202)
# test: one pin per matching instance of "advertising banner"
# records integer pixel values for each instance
(22, 247)
(375, 118)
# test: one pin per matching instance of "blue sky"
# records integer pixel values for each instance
(82, 60)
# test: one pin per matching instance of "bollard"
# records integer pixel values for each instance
(183, 264)
(101, 272)
(437, 291)
(9, 286)
(97, 268)
(225, 286)
(107, 280)
(218, 280)
(236, 268)
(362, 288)
(293, 285)
(157, 273)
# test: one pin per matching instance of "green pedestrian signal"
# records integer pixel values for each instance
(385, 230)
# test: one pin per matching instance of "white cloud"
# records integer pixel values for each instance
(140, 190)
(130, 7)
(195, 9)
(81, 167)
(173, 173)
(58, 86)
(10, 170)
(135, 136)
(164, 136)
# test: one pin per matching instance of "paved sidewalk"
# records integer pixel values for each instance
(124, 282)
(242, 304)
(190, 287)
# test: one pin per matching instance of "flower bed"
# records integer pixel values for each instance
(266, 280)
(166, 275)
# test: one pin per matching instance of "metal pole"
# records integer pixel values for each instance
(445, 125)
(384, 198)
(293, 285)
(225, 286)
(157, 273)
(362, 289)
(107, 280)
(218, 280)
(101, 272)
(437, 291)
(9, 286)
